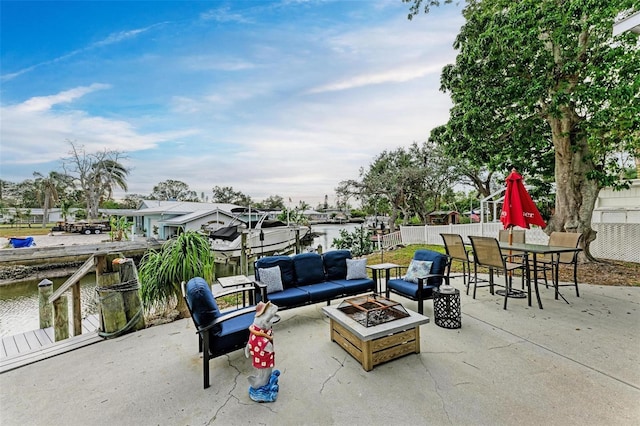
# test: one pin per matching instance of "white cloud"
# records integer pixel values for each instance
(43, 103)
(397, 75)
(224, 14)
(110, 39)
(277, 110)
(38, 132)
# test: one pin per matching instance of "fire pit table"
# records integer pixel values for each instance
(374, 329)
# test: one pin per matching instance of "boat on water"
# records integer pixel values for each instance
(263, 236)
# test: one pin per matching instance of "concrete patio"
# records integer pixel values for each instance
(563, 365)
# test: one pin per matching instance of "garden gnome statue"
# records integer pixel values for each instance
(263, 385)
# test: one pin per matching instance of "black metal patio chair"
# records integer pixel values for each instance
(219, 333)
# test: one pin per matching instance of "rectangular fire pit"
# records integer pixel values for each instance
(372, 310)
(375, 344)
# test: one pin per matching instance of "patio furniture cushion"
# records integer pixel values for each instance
(335, 264)
(289, 297)
(319, 292)
(357, 286)
(285, 263)
(272, 278)
(308, 268)
(439, 260)
(204, 308)
(418, 269)
(356, 269)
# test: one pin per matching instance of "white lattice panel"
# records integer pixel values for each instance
(617, 241)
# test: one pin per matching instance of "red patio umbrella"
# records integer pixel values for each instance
(518, 209)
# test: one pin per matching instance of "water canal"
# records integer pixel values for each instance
(19, 302)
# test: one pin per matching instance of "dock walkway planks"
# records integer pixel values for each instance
(33, 346)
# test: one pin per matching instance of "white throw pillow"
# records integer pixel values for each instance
(356, 269)
(272, 278)
(418, 269)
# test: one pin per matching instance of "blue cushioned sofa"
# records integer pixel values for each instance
(309, 278)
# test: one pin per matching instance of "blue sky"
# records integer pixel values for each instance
(270, 97)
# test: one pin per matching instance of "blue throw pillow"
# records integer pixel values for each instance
(203, 305)
(418, 269)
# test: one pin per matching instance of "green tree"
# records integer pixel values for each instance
(173, 190)
(546, 77)
(97, 174)
(48, 189)
(272, 202)
(25, 194)
(359, 241)
(410, 181)
(228, 195)
(132, 201)
(65, 205)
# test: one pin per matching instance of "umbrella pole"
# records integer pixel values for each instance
(510, 259)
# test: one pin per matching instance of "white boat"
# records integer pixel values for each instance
(263, 237)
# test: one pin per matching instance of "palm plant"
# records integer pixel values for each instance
(47, 191)
(179, 259)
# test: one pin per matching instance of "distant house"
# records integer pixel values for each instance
(441, 217)
(315, 216)
(36, 215)
(167, 218)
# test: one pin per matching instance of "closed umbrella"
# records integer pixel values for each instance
(518, 209)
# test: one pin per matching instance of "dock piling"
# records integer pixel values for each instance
(45, 290)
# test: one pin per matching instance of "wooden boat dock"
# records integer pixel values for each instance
(33, 346)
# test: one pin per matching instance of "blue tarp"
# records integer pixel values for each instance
(22, 242)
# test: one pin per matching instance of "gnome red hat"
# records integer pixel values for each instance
(261, 307)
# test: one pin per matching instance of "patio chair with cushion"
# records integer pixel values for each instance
(425, 273)
(487, 253)
(219, 333)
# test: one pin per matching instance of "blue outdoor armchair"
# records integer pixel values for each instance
(425, 273)
(219, 333)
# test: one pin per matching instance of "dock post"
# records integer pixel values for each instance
(45, 290)
(244, 263)
(77, 310)
(61, 318)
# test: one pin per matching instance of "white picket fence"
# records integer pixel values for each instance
(617, 241)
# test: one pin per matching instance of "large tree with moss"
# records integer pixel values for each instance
(540, 76)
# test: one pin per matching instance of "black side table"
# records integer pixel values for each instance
(446, 309)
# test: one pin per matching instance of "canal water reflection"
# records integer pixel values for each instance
(19, 302)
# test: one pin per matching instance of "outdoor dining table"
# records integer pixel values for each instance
(535, 250)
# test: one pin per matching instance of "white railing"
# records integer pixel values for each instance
(616, 241)
(390, 240)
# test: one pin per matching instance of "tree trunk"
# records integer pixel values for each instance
(576, 195)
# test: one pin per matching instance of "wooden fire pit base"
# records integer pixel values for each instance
(374, 345)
